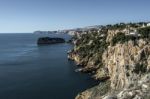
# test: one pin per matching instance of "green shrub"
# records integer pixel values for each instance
(122, 38)
(140, 68)
(144, 32)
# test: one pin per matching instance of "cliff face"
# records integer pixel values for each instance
(87, 51)
(121, 60)
(126, 62)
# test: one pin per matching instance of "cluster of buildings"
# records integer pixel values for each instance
(97, 28)
(133, 31)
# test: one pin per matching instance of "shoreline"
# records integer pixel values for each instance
(110, 56)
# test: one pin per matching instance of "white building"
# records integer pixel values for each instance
(132, 32)
(144, 25)
(71, 32)
(148, 24)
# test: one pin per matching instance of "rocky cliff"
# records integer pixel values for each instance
(120, 59)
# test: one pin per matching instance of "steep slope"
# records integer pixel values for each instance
(117, 57)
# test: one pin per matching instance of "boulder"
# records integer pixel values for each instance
(49, 40)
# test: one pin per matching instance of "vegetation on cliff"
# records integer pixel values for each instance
(122, 38)
(89, 49)
(144, 32)
(117, 53)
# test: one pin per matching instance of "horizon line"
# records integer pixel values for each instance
(82, 26)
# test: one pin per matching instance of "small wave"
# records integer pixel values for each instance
(14, 54)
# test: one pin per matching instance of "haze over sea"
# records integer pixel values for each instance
(28, 71)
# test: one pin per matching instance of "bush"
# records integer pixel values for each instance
(144, 32)
(122, 38)
(117, 26)
(140, 68)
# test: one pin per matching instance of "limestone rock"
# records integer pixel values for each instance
(126, 63)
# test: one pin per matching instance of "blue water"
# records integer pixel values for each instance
(28, 71)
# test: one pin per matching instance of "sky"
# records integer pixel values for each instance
(26, 16)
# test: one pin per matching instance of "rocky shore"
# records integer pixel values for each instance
(118, 55)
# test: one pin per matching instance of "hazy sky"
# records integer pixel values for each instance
(31, 15)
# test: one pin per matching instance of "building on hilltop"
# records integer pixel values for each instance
(148, 24)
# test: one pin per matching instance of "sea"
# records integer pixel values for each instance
(29, 71)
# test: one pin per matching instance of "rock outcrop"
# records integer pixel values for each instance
(116, 57)
(126, 62)
(49, 40)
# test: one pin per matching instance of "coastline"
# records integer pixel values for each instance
(35, 72)
(115, 57)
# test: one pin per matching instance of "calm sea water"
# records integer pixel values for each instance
(28, 71)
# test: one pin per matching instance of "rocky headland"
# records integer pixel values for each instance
(117, 55)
